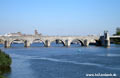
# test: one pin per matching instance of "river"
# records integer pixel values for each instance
(63, 62)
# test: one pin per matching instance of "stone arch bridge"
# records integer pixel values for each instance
(66, 40)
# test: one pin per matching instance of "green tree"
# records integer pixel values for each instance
(5, 62)
(118, 33)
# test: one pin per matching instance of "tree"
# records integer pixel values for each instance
(118, 31)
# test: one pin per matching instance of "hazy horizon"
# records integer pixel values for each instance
(59, 17)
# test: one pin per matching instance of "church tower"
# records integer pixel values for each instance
(36, 32)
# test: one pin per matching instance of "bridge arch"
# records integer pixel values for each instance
(57, 42)
(93, 42)
(17, 41)
(38, 42)
(2, 41)
(77, 41)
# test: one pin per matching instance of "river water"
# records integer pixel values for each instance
(63, 62)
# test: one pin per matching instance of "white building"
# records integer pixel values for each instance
(13, 34)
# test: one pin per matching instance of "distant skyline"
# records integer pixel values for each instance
(59, 17)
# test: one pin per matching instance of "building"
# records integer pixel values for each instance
(36, 33)
(14, 34)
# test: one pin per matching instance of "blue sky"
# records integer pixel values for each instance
(59, 17)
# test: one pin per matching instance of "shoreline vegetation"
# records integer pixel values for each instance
(117, 41)
(5, 62)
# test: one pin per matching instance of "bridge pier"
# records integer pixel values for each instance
(86, 43)
(47, 43)
(67, 43)
(27, 43)
(107, 43)
(105, 40)
(7, 44)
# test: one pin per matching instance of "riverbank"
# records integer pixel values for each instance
(5, 62)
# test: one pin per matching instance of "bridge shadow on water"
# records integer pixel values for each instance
(41, 45)
(53, 45)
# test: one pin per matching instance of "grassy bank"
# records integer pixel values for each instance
(5, 62)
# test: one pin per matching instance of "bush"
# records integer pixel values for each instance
(118, 33)
(1, 76)
(5, 62)
(5, 59)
